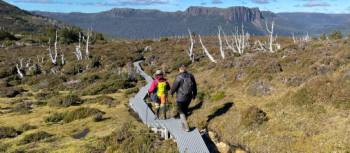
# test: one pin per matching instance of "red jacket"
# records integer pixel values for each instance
(154, 84)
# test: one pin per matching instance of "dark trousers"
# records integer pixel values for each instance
(182, 107)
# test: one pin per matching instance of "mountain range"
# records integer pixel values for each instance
(142, 23)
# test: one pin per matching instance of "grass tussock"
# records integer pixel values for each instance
(65, 101)
(8, 132)
(36, 137)
(67, 117)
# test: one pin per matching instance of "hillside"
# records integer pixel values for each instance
(17, 20)
(134, 23)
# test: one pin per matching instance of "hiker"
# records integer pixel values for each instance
(185, 88)
(158, 93)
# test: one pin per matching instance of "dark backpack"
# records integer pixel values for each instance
(187, 85)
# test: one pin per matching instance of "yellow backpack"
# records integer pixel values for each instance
(161, 88)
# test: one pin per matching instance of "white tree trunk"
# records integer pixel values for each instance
(77, 51)
(190, 50)
(206, 51)
(271, 38)
(222, 52)
(87, 53)
(20, 74)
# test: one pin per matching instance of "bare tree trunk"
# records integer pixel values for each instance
(271, 38)
(54, 56)
(19, 71)
(190, 51)
(77, 52)
(87, 53)
(222, 52)
(206, 51)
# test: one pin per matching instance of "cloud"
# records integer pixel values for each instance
(313, 3)
(261, 1)
(98, 2)
(216, 1)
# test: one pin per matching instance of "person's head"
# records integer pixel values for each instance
(158, 73)
(183, 68)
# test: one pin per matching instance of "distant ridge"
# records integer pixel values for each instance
(142, 23)
(16, 20)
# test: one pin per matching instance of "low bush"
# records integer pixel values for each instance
(68, 117)
(110, 86)
(44, 95)
(10, 92)
(8, 132)
(98, 117)
(22, 108)
(25, 127)
(36, 137)
(218, 96)
(253, 116)
(54, 118)
(65, 101)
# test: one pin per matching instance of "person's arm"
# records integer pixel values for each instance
(176, 85)
(194, 90)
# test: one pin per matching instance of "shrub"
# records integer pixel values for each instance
(22, 108)
(54, 118)
(36, 137)
(107, 87)
(44, 95)
(25, 127)
(8, 132)
(66, 101)
(4, 83)
(104, 100)
(336, 35)
(68, 117)
(81, 113)
(218, 96)
(10, 92)
(5, 35)
(253, 116)
(72, 68)
(131, 90)
(95, 62)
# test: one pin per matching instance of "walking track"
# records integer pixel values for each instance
(187, 142)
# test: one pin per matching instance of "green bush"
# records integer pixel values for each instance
(8, 132)
(69, 35)
(65, 101)
(73, 68)
(218, 96)
(35, 137)
(44, 95)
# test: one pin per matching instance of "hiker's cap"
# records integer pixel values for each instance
(159, 72)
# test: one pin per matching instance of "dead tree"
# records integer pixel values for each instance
(205, 50)
(190, 50)
(19, 71)
(53, 56)
(271, 39)
(77, 51)
(240, 40)
(222, 52)
(229, 45)
(87, 52)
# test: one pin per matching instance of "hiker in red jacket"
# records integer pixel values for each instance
(159, 92)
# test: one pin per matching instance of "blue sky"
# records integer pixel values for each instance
(324, 6)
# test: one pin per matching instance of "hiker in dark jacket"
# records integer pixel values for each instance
(185, 88)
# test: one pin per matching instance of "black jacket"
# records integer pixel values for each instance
(180, 90)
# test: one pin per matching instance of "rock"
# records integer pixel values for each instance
(259, 88)
(240, 151)
(223, 148)
(213, 137)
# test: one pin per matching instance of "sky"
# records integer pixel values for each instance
(90, 6)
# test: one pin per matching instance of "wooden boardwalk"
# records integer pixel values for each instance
(187, 142)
